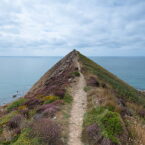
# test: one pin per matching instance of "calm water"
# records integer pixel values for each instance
(20, 73)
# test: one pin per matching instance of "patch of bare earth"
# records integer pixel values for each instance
(78, 110)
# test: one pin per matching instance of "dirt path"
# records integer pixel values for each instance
(77, 112)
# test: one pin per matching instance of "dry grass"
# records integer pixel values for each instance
(101, 96)
(137, 130)
(135, 107)
(112, 106)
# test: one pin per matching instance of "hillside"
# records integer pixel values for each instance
(77, 102)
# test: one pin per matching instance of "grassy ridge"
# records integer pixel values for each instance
(121, 88)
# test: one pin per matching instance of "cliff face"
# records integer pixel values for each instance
(52, 111)
(57, 78)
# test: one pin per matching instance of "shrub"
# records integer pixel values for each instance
(109, 122)
(87, 88)
(24, 111)
(58, 102)
(50, 111)
(49, 99)
(15, 121)
(111, 125)
(5, 119)
(93, 82)
(60, 93)
(75, 74)
(93, 133)
(67, 98)
(16, 104)
(24, 107)
(47, 106)
(48, 131)
(142, 113)
(31, 103)
(26, 139)
(112, 106)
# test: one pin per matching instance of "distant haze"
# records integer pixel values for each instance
(55, 27)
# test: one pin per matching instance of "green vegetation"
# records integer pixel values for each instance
(121, 88)
(75, 74)
(67, 98)
(109, 122)
(87, 88)
(49, 99)
(25, 139)
(1, 130)
(16, 104)
(7, 117)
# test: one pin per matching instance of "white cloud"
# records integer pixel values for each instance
(54, 27)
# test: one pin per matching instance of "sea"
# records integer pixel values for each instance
(18, 74)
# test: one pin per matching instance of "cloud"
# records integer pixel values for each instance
(55, 27)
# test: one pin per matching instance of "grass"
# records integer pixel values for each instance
(109, 122)
(16, 104)
(49, 99)
(75, 74)
(7, 117)
(67, 98)
(121, 88)
(87, 88)
(25, 139)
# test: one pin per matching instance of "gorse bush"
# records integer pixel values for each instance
(47, 131)
(16, 104)
(49, 99)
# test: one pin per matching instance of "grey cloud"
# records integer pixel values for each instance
(96, 27)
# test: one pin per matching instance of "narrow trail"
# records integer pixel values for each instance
(78, 110)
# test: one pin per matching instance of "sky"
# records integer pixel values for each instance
(55, 27)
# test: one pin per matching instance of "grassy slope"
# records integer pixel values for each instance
(23, 136)
(122, 89)
(108, 116)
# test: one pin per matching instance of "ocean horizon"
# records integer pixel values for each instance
(19, 73)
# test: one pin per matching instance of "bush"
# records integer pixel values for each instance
(109, 122)
(92, 81)
(25, 139)
(49, 99)
(111, 105)
(16, 104)
(142, 113)
(51, 111)
(93, 133)
(60, 93)
(67, 98)
(48, 106)
(48, 131)
(5, 119)
(31, 103)
(75, 74)
(15, 121)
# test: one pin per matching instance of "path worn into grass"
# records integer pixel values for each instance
(77, 112)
